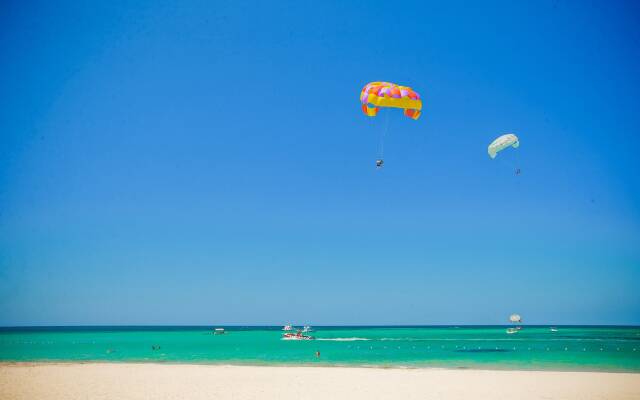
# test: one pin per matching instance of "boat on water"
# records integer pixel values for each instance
(287, 328)
(296, 336)
(512, 330)
(553, 329)
(307, 328)
(219, 331)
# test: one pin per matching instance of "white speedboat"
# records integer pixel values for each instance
(512, 330)
(219, 331)
(553, 329)
(296, 336)
(307, 328)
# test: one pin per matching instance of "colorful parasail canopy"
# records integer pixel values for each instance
(384, 94)
(502, 143)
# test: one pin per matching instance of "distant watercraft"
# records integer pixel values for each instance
(307, 328)
(512, 330)
(553, 329)
(287, 328)
(219, 331)
(296, 336)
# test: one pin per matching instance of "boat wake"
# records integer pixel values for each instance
(343, 339)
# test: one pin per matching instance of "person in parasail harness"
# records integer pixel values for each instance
(379, 163)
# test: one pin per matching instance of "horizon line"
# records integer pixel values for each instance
(320, 325)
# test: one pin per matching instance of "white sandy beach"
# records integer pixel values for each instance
(164, 381)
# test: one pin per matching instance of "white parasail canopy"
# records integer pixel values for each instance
(515, 318)
(502, 143)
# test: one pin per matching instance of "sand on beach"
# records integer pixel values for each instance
(170, 381)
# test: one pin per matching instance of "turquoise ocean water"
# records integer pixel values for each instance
(534, 347)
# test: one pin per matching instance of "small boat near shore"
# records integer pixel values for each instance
(219, 331)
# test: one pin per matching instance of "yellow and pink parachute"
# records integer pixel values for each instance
(384, 94)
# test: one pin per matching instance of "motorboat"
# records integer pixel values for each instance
(553, 329)
(307, 328)
(296, 336)
(511, 330)
(219, 331)
(287, 328)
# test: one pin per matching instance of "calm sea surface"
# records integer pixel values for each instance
(603, 348)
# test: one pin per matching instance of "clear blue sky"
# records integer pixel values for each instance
(198, 162)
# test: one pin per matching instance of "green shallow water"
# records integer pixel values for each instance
(571, 348)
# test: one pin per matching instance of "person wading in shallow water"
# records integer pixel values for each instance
(317, 354)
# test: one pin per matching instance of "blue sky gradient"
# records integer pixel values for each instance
(197, 162)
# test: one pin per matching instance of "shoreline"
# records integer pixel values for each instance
(309, 365)
(126, 380)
